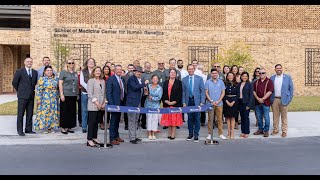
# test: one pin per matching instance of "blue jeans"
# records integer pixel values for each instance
(84, 110)
(193, 120)
(263, 111)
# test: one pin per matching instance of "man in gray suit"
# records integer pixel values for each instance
(193, 95)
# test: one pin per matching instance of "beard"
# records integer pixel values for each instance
(180, 66)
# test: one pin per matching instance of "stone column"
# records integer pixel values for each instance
(1, 66)
(40, 33)
(173, 39)
(233, 17)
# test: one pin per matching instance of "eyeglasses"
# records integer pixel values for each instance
(262, 72)
(70, 62)
(216, 66)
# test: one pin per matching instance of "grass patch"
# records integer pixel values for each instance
(299, 103)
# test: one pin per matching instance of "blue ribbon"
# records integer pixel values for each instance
(141, 110)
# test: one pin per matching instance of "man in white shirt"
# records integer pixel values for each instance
(195, 64)
(280, 99)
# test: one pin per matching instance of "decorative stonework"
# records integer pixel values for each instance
(110, 14)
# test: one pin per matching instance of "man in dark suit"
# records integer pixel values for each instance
(24, 81)
(116, 96)
(135, 88)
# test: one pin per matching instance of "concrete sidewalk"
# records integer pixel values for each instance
(301, 124)
(4, 98)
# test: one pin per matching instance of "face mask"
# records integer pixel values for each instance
(180, 66)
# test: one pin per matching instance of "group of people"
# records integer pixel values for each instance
(229, 91)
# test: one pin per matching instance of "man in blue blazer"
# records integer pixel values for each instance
(280, 99)
(115, 96)
(193, 94)
(135, 88)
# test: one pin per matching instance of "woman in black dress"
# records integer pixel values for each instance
(230, 103)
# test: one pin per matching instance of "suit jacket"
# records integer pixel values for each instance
(286, 89)
(95, 93)
(134, 89)
(247, 94)
(198, 90)
(23, 84)
(114, 92)
(176, 93)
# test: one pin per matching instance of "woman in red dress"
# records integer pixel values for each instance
(172, 97)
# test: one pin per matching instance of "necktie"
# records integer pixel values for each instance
(121, 88)
(190, 87)
(30, 74)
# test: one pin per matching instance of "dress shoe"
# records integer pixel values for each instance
(165, 127)
(203, 124)
(84, 131)
(64, 132)
(266, 134)
(138, 139)
(98, 144)
(119, 139)
(126, 128)
(134, 141)
(30, 132)
(178, 127)
(70, 131)
(22, 134)
(90, 145)
(258, 132)
(143, 127)
(274, 132)
(284, 134)
(114, 142)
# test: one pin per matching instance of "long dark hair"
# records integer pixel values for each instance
(245, 72)
(109, 74)
(45, 68)
(254, 73)
(231, 69)
(234, 81)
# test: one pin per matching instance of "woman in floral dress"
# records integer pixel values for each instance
(47, 116)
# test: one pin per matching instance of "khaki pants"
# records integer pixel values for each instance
(279, 109)
(218, 113)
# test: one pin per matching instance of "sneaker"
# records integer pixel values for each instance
(189, 138)
(150, 137)
(196, 139)
(209, 136)
(222, 137)
(154, 138)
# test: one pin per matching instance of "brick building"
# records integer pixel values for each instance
(289, 35)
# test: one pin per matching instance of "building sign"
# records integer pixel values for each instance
(64, 32)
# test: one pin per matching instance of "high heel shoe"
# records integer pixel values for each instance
(169, 137)
(172, 138)
(90, 145)
(99, 144)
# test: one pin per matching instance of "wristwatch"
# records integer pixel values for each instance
(211, 100)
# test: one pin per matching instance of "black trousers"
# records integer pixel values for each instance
(25, 105)
(203, 117)
(143, 117)
(93, 119)
(125, 119)
(79, 109)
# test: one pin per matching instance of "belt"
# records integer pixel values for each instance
(231, 95)
(277, 97)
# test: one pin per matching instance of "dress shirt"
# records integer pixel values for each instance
(278, 85)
